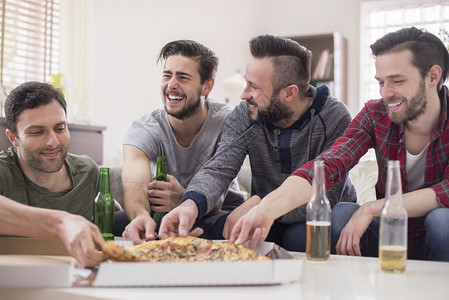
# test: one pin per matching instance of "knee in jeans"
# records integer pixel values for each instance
(342, 212)
(437, 222)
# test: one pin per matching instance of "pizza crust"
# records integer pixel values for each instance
(181, 249)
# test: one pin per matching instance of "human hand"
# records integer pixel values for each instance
(165, 195)
(349, 241)
(180, 220)
(140, 229)
(237, 213)
(252, 228)
(80, 237)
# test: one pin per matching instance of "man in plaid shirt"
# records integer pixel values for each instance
(409, 124)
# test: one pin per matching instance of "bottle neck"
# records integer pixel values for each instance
(394, 184)
(104, 181)
(319, 183)
(161, 171)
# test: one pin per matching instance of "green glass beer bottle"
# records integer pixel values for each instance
(104, 207)
(161, 175)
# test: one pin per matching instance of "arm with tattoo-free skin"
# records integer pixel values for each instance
(417, 203)
(78, 234)
(255, 225)
(136, 175)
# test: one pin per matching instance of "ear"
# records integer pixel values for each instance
(291, 92)
(207, 86)
(435, 75)
(11, 137)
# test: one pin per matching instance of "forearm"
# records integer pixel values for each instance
(23, 220)
(135, 200)
(417, 203)
(420, 202)
(293, 192)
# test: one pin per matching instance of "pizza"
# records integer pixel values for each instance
(179, 249)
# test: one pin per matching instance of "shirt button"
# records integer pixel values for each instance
(277, 131)
(275, 148)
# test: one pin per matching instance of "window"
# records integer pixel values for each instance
(379, 18)
(29, 40)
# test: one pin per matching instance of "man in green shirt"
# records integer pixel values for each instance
(38, 171)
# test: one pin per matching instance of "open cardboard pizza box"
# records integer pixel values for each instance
(283, 268)
(30, 262)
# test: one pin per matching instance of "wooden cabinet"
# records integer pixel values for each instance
(329, 61)
(84, 139)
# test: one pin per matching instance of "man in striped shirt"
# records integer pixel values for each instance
(409, 124)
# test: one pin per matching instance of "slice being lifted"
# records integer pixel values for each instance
(184, 248)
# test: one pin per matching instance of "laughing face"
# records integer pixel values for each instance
(263, 101)
(42, 138)
(401, 86)
(181, 87)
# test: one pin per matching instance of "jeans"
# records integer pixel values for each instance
(340, 216)
(435, 246)
(291, 237)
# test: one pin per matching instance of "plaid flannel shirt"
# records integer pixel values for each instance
(372, 128)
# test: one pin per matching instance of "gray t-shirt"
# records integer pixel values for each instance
(153, 135)
(79, 199)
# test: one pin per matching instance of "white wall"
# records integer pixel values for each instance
(127, 35)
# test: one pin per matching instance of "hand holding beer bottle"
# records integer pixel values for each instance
(318, 218)
(104, 207)
(393, 224)
(161, 175)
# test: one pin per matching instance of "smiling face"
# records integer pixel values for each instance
(263, 101)
(42, 138)
(401, 86)
(181, 87)
(259, 86)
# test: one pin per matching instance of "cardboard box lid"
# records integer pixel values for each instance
(36, 271)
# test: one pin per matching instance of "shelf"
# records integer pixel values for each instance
(335, 69)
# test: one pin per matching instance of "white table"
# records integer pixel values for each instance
(339, 278)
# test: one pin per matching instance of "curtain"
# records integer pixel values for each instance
(29, 40)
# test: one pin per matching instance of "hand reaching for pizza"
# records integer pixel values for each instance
(237, 213)
(165, 195)
(180, 220)
(252, 228)
(80, 237)
(140, 229)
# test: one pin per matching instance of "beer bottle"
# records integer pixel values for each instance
(104, 207)
(161, 175)
(318, 218)
(393, 224)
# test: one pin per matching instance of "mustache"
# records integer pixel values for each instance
(175, 93)
(252, 102)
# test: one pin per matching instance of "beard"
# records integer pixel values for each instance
(276, 113)
(186, 111)
(34, 159)
(414, 107)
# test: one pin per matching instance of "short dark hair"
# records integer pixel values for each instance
(207, 61)
(30, 95)
(291, 61)
(427, 49)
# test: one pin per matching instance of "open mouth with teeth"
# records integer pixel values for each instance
(174, 98)
(393, 106)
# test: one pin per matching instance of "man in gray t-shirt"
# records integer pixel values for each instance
(186, 131)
